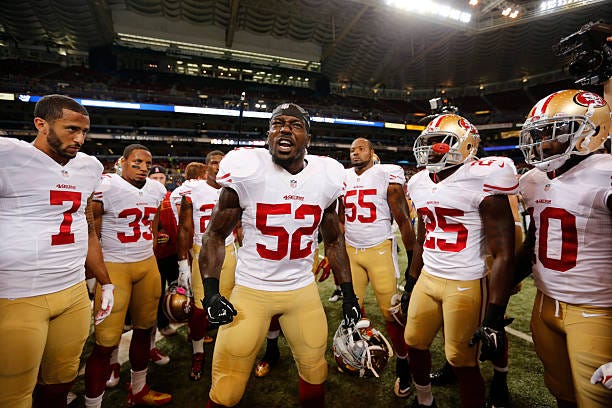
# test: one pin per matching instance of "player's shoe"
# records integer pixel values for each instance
(197, 363)
(402, 390)
(113, 379)
(336, 296)
(70, 398)
(403, 381)
(158, 357)
(268, 361)
(148, 397)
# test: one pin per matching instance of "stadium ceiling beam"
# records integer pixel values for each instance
(329, 51)
(231, 27)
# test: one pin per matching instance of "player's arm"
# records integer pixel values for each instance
(224, 218)
(184, 238)
(155, 227)
(335, 250)
(415, 266)
(498, 223)
(525, 256)
(184, 241)
(341, 218)
(94, 262)
(401, 214)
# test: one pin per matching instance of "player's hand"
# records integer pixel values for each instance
(162, 238)
(219, 310)
(106, 305)
(184, 278)
(351, 311)
(603, 375)
(491, 333)
(324, 268)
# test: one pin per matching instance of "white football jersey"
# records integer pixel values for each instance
(203, 198)
(281, 215)
(43, 229)
(573, 244)
(455, 246)
(126, 233)
(367, 216)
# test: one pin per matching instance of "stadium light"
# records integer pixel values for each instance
(432, 8)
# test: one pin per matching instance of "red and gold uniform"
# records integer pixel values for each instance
(572, 314)
(369, 239)
(127, 246)
(451, 289)
(45, 312)
(280, 220)
(203, 198)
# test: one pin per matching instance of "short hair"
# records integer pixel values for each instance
(195, 170)
(213, 153)
(130, 148)
(50, 107)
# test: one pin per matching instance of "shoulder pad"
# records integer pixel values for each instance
(498, 173)
(240, 164)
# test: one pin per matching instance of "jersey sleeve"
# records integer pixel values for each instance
(238, 166)
(500, 176)
(102, 189)
(395, 174)
(336, 175)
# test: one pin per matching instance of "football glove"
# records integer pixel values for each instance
(219, 310)
(106, 304)
(410, 282)
(491, 333)
(324, 268)
(184, 278)
(603, 375)
(351, 311)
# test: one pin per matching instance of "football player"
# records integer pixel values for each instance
(283, 197)
(199, 197)
(47, 242)
(125, 210)
(463, 208)
(569, 197)
(374, 197)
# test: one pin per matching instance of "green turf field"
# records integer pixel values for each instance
(279, 389)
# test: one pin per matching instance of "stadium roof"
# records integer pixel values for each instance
(362, 42)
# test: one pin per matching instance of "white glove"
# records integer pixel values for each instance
(106, 305)
(184, 278)
(603, 375)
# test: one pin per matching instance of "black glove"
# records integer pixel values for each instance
(491, 333)
(350, 305)
(219, 310)
(410, 282)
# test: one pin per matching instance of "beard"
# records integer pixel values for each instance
(56, 145)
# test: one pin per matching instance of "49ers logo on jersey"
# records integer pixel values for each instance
(588, 99)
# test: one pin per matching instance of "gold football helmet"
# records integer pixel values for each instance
(447, 140)
(176, 305)
(579, 119)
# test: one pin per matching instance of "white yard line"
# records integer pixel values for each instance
(519, 334)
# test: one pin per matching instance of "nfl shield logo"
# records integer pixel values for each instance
(65, 173)
(547, 187)
(293, 183)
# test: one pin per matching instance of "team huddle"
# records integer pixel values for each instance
(457, 219)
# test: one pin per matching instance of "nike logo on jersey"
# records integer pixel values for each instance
(460, 289)
(381, 252)
(502, 164)
(587, 315)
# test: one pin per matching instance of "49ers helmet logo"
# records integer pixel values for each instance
(467, 125)
(588, 99)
